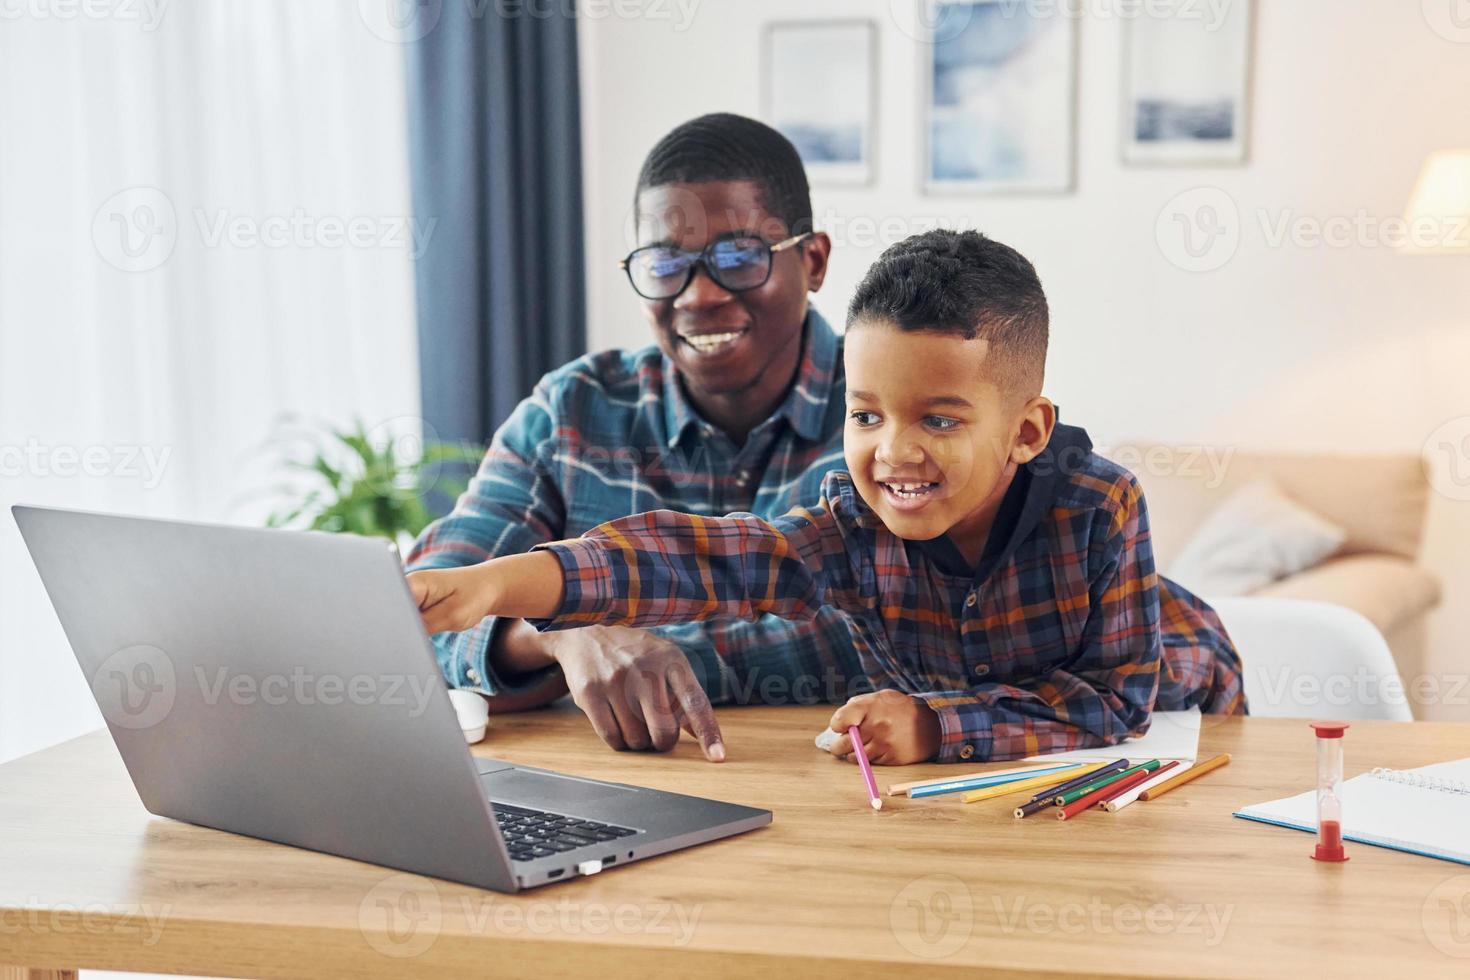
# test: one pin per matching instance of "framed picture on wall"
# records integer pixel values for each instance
(1186, 85)
(819, 89)
(999, 88)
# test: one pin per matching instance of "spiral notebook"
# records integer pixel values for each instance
(1422, 811)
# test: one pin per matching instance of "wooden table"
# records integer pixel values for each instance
(1172, 887)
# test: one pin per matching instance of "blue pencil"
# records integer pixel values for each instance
(980, 782)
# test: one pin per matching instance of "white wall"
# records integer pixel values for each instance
(1300, 348)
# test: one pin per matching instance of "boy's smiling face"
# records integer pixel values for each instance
(932, 440)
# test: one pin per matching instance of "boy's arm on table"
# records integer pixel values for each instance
(1102, 694)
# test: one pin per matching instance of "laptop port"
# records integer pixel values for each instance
(609, 859)
(557, 873)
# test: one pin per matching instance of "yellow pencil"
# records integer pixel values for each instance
(1035, 782)
(898, 789)
(1154, 792)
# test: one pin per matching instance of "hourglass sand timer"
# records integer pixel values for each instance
(1329, 790)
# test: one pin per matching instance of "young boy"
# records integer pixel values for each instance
(999, 574)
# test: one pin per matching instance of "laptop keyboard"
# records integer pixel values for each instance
(531, 834)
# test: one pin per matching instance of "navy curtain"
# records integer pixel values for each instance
(495, 156)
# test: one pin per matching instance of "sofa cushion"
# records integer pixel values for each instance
(1385, 588)
(1257, 536)
(1380, 500)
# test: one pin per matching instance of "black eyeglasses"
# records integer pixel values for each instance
(735, 262)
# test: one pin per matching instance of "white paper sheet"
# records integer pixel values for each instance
(1172, 735)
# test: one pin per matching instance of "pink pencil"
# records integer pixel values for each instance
(874, 799)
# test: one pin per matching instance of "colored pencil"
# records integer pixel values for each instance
(1051, 792)
(980, 782)
(897, 789)
(1159, 776)
(1073, 795)
(874, 800)
(1154, 792)
(1035, 806)
(1085, 802)
(1047, 797)
(1106, 803)
(1005, 789)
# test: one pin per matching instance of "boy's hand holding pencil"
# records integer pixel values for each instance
(897, 729)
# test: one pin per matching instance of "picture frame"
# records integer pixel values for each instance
(810, 71)
(999, 98)
(1186, 87)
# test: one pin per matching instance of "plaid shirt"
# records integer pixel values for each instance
(612, 434)
(1070, 640)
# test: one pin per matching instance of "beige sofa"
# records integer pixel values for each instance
(1380, 500)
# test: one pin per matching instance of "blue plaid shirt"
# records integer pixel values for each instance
(613, 434)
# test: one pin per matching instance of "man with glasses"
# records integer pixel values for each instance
(739, 406)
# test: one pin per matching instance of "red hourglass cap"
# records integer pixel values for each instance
(1329, 729)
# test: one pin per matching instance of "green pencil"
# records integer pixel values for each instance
(1072, 796)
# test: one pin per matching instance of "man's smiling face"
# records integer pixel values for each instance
(729, 344)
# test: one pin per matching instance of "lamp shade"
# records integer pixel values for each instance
(1438, 212)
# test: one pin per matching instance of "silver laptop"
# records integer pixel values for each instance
(280, 684)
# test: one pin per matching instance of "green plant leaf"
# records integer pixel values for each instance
(363, 489)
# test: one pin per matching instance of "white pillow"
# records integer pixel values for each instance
(1257, 536)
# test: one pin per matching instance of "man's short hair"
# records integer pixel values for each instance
(724, 146)
(963, 283)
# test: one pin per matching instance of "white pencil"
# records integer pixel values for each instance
(1113, 806)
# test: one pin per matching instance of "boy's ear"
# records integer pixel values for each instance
(815, 252)
(1038, 419)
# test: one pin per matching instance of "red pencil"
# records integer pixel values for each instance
(1077, 806)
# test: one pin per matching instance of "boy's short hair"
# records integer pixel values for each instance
(724, 146)
(963, 283)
